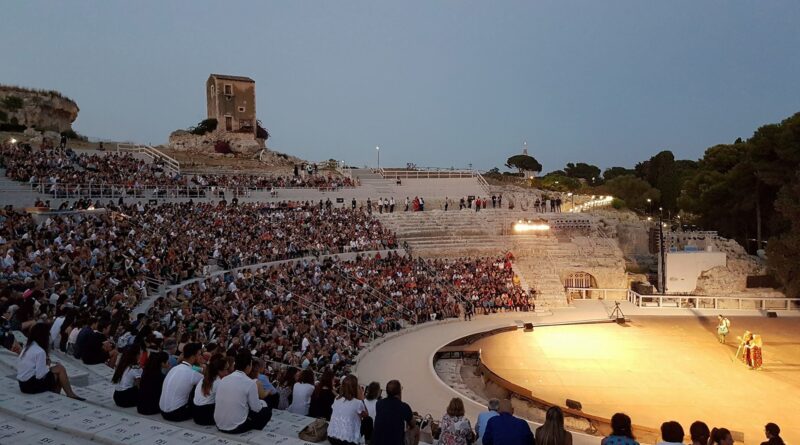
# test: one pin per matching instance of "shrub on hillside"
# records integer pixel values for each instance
(205, 126)
(3, 116)
(618, 203)
(222, 147)
(72, 134)
(12, 103)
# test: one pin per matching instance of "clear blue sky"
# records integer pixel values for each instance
(438, 83)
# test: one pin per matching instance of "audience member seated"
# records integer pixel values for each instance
(266, 391)
(506, 429)
(127, 376)
(721, 436)
(371, 396)
(323, 396)
(288, 379)
(699, 433)
(206, 390)
(773, 433)
(456, 429)
(301, 393)
(483, 419)
(35, 373)
(671, 433)
(393, 417)
(177, 395)
(552, 431)
(621, 431)
(97, 348)
(347, 412)
(152, 383)
(238, 408)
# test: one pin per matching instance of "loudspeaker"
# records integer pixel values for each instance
(771, 314)
(528, 327)
(574, 404)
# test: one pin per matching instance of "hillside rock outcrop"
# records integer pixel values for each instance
(240, 143)
(39, 109)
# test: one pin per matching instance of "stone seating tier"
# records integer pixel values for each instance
(55, 419)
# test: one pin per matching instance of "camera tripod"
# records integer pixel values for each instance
(616, 313)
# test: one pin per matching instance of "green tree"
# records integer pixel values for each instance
(614, 172)
(784, 249)
(634, 191)
(666, 174)
(524, 163)
(559, 183)
(582, 170)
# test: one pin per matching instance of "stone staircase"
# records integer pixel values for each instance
(542, 259)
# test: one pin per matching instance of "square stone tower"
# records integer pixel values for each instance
(231, 100)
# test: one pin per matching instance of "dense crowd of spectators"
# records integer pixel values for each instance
(63, 172)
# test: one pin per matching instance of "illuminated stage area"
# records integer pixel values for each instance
(660, 368)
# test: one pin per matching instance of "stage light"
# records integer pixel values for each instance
(522, 227)
(13, 141)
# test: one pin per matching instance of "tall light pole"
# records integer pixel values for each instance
(378, 150)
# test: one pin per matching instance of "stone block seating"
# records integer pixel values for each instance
(54, 419)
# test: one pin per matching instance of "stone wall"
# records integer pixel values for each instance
(43, 110)
(241, 143)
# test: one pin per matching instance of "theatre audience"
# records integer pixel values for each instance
(456, 429)
(347, 411)
(301, 393)
(323, 396)
(671, 433)
(392, 418)
(505, 429)
(177, 394)
(621, 431)
(371, 396)
(238, 408)
(35, 373)
(127, 376)
(721, 436)
(699, 433)
(152, 383)
(552, 431)
(288, 379)
(773, 433)
(206, 390)
(483, 419)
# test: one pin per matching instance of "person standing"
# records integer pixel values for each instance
(723, 328)
(407, 202)
(391, 204)
(392, 417)
(353, 203)
(506, 429)
(552, 431)
(238, 408)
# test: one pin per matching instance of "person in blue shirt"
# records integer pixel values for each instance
(483, 420)
(505, 429)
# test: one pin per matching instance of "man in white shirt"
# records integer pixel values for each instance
(238, 408)
(176, 394)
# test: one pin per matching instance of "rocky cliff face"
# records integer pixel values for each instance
(240, 143)
(43, 110)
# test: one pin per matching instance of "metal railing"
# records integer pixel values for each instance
(713, 302)
(153, 153)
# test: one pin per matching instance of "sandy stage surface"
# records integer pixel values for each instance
(660, 368)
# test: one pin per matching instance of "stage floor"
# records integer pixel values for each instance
(660, 368)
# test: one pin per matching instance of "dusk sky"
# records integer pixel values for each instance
(437, 83)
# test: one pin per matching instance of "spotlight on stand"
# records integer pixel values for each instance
(539, 225)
